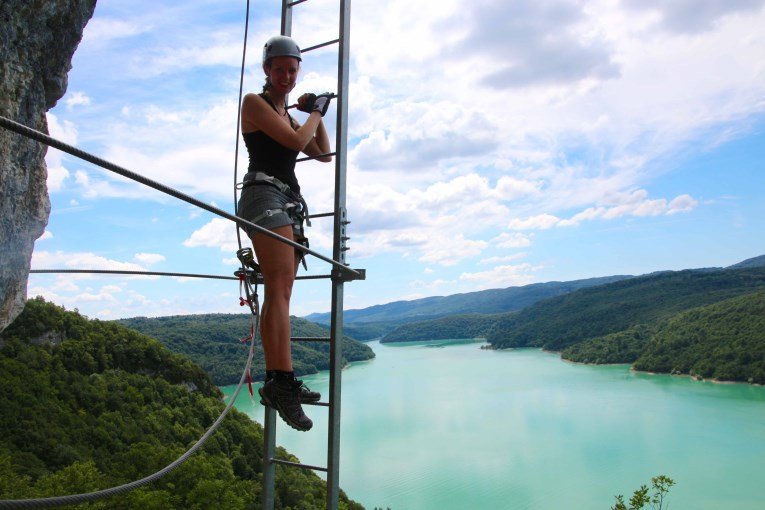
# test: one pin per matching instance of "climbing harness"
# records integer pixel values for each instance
(296, 209)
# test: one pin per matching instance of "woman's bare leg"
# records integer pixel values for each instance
(277, 262)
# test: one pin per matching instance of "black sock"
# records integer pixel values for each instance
(283, 376)
(269, 375)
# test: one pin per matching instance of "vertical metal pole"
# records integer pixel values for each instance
(269, 451)
(286, 18)
(338, 253)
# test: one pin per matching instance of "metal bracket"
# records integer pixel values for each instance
(338, 275)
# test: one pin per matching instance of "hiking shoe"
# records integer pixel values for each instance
(284, 396)
(306, 396)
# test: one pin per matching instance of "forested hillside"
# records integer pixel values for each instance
(88, 405)
(724, 341)
(453, 326)
(749, 263)
(213, 342)
(390, 315)
(559, 322)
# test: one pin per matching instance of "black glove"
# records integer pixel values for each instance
(305, 102)
(321, 103)
(312, 103)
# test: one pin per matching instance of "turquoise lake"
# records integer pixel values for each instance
(450, 426)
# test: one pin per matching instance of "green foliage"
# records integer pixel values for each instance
(723, 341)
(454, 326)
(107, 405)
(593, 312)
(642, 496)
(213, 342)
(620, 347)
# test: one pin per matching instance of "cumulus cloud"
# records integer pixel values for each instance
(149, 258)
(533, 42)
(76, 99)
(80, 260)
(475, 127)
(100, 31)
(694, 16)
(66, 132)
(407, 135)
(635, 203)
(511, 240)
(218, 233)
(682, 203)
(538, 222)
(502, 276)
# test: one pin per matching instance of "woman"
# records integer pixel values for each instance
(271, 199)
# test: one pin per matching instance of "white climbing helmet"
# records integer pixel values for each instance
(280, 46)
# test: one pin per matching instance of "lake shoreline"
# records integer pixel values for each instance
(412, 410)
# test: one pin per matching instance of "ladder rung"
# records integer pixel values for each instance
(298, 464)
(314, 277)
(296, 2)
(321, 404)
(317, 46)
(311, 339)
(321, 215)
(309, 158)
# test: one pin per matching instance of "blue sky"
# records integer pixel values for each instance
(492, 144)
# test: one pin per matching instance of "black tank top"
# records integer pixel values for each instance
(270, 157)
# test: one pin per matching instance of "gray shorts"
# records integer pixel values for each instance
(267, 207)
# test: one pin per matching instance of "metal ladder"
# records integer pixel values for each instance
(338, 278)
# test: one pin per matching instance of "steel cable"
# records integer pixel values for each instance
(74, 151)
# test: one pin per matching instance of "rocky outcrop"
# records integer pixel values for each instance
(37, 41)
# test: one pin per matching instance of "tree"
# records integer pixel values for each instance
(640, 498)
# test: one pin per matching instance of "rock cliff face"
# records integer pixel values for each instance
(37, 41)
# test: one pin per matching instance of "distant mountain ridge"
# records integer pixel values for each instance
(559, 322)
(612, 308)
(482, 302)
(708, 323)
(752, 262)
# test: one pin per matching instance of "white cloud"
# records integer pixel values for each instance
(511, 240)
(46, 235)
(218, 233)
(539, 222)
(502, 276)
(57, 175)
(82, 260)
(73, 99)
(100, 31)
(67, 133)
(689, 16)
(500, 260)
(682, 203)
(635, 203)
(532, 42)
(149, 258)
(474, 125)
(233, 261)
